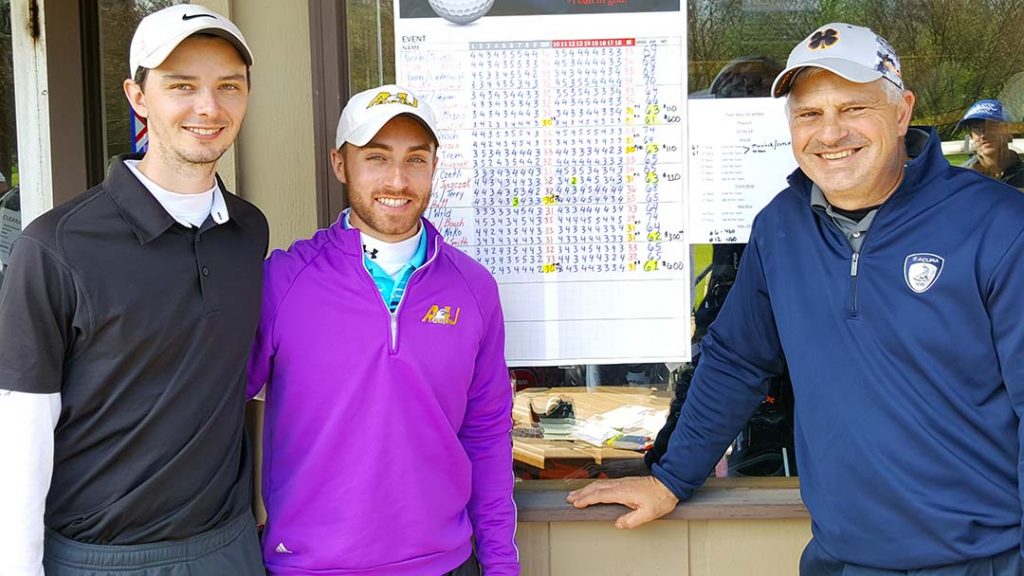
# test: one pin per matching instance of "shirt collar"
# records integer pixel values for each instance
(391, 287)
(418, 257)
(218, 209)
(146, 217)
(818, 198)
(421, 251)
(847, 224)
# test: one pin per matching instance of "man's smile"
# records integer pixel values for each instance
(393, 202)
(837, 155)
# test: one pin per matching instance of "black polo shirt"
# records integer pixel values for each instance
(143, 326)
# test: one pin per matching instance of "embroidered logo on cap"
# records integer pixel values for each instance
(921, 271)
(888, 64)
(988, 108)
(403, 98)
(823, 39)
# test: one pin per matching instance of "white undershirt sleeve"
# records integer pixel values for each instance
(27, 422)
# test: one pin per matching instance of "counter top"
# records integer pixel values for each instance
(719, 499)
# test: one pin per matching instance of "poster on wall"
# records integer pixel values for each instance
(10, 224)
(739, 156)
(562, 166)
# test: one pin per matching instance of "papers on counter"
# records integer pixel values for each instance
(629, 427)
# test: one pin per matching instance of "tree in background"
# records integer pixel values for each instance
(371, 51)
(8, 133)
(118, 20)
(953, 52)
(957, 52)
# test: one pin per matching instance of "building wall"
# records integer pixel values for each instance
(664, 548)
(274, 155)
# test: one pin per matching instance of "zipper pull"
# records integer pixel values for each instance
(853, 265)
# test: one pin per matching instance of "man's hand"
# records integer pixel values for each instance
(647, 496)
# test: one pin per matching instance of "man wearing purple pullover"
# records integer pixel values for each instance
(388, 402)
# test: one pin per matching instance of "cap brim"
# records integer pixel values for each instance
(361, 136)
(843, 68)
(235, 41)
(157, 57)
(982, 117)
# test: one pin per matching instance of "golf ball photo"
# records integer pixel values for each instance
(461, 11)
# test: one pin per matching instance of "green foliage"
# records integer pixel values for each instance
(957, 159)
(118, 20)
(8, 133)
(368, 67)
(953, 52)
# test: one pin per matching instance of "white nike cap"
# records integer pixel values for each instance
(160, 33)
(367, 112)
(853, 52)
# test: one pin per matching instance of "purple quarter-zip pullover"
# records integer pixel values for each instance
(387, 435)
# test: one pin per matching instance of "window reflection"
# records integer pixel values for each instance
(951, 59)
(10, 208)
(371, 43)
(118, 20)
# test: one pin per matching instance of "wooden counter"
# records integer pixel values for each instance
(587, 402)
(719, 499)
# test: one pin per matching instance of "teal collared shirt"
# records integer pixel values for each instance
(392, 288)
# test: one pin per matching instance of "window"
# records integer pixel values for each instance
(951, 57)
(371, 43)
(10, 207)
(122, 131)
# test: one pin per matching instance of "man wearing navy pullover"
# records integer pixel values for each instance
(890, 284)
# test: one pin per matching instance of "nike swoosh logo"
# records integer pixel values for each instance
(191, 16)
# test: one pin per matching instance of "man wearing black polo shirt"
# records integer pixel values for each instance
(126, 317)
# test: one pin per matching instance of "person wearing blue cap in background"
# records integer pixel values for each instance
(991, 131)
(888, 284)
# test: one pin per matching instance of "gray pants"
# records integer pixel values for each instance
(468, 568)
(233, 549)
(817, 562)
